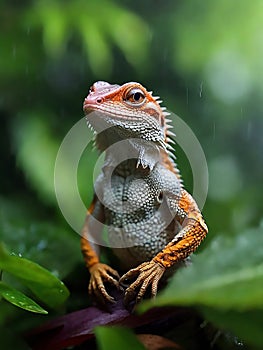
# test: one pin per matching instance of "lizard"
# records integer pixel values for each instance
(153, 223)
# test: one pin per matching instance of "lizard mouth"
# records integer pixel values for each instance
(89, 106)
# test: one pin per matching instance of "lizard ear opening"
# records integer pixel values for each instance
(160, 197)
(134, 96)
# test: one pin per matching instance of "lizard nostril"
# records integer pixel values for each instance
(99, 100)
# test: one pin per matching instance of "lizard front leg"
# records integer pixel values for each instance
(99, 272)
(185, 242)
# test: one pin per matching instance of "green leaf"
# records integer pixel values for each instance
(136, 44)
(117, 338)
(226, 282)
(19, 299)
(42, 283)
(228, 274)
(96, 45)
(32, 131)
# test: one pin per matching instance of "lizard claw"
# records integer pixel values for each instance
(147, 274)
(99, 274)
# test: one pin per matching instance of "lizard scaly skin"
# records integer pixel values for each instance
(153, 222)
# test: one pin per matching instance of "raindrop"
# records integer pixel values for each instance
(201, 90)
(55, 273)
(14, 51)
(214, 130)
(42, 244)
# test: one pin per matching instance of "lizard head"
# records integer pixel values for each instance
(129, 112)
(130, 108)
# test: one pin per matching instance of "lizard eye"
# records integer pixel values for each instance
(135, 96)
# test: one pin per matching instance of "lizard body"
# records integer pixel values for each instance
(153, 222)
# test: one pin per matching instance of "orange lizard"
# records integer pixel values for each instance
(153, 223)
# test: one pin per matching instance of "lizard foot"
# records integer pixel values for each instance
(146, 274)
(99, 274)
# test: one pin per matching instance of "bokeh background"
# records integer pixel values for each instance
(205, 60)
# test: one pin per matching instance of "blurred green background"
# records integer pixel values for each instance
(205, 60)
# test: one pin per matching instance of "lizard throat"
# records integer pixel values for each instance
(135, 153)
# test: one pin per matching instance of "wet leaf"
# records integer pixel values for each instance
(226, 282)
(19, 299)
(228, 274)
(43, 284)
